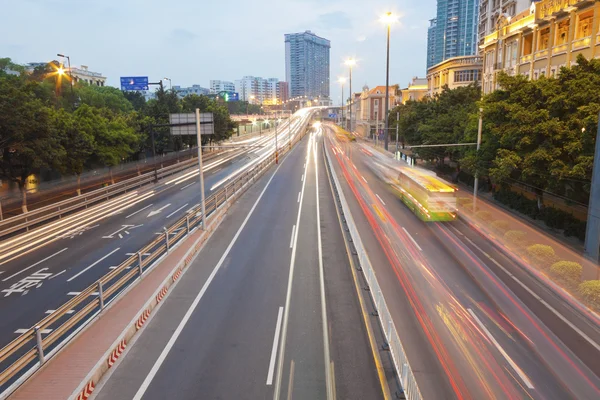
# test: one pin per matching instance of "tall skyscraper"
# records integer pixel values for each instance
(455, 29)
(431, 42)
(307, 64)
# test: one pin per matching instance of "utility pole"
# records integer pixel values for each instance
(476, 184)
(153, 153)
(592, 234)
(200, 169)
(397, 128)
(387, 91)
(276, 148)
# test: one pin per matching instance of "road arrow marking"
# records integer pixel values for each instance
(153, 213)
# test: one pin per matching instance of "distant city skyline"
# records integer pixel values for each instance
(226, 46)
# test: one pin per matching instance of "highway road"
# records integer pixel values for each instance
(40, 269)
(268, 310)
(468, 335)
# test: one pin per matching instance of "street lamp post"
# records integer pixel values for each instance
(342, 80)
(350, 62)
(70, 73)
(476, 183)
(388, 19)
(170, 83)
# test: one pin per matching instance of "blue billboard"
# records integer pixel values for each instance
(134, 83)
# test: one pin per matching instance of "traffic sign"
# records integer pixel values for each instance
(134, 83)
(185, 124)
(332, 115)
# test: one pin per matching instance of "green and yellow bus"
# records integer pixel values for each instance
(427, 196)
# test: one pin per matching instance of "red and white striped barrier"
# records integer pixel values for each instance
(177, 274)
(142, 319)
(116, 353)
(161, 294)
(87, 391)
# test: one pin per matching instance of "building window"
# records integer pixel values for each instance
(544, 37)
(584, 25)
(527, 44)
(466, 76)
(562, 33)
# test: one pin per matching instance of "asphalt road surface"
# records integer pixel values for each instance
(467, 335)
(268, 309)
(41, 271)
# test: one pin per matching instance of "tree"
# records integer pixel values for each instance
(104, 96)
(114, 137)
(26, 140)
(137, 100)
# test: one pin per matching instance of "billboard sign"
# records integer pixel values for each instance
(207, 125)
(134, 83)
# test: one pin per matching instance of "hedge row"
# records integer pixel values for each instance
(552, 217)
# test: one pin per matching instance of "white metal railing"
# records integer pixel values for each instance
(28, 352)
(401, 364)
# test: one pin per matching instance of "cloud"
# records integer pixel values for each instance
(181, 36)
(334, 20)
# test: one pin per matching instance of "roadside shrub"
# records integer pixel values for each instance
(515, 237)
(570, 271)
(552, 217)
(500, 226)
(590, 290)
(541, 254)
(484, 215)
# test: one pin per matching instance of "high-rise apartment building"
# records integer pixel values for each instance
(257, 90)
(283, 91)
(491, 10)
(217, 86)
(194, 89)
(456, 31)
(431, 42)
(307, 64)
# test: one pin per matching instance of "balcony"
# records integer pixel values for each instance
(581, 43)
(526, 58)
(561, 48)
(541, 54)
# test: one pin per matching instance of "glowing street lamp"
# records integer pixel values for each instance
(61, 71)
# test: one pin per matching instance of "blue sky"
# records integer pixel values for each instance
(192, 42)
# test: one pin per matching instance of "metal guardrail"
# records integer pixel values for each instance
(43, 214)
(401, 364)
(30, 350)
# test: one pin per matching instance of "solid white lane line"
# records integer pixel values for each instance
(187, 186)
(501, 350)
(140, 210)
(60, 273)
(190, 311)
(179, 209)
(31, 266)
(274, 348)
(292, 238)
(43, 331)
(326, 354)
(94, 264)
(67, 312)
(380, 199)
(413, 240)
